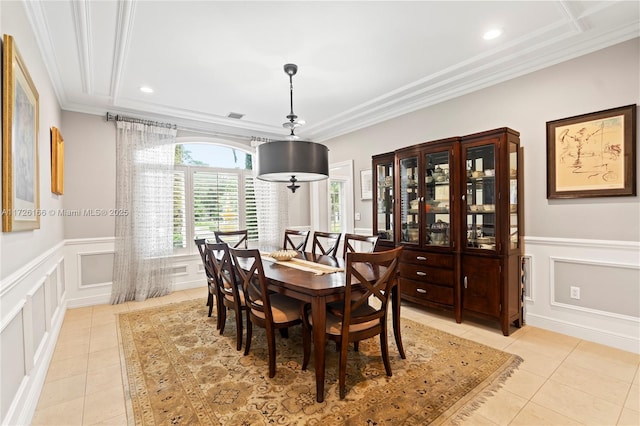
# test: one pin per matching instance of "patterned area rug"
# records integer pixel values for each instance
(178, 369)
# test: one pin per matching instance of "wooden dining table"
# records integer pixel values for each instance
(319, 289)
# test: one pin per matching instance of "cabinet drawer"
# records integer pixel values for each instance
(425, 291)
(426, 274)
(426, 259)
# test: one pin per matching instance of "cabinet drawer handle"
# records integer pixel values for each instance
(421, 290)
(421, 274)
(466, 283)
(421, 258)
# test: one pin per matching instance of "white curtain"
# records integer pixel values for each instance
(272, 205)
(144, 203)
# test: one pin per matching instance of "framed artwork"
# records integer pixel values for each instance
(57, 162)
(366, 187)
(592, 155)
(20, 102)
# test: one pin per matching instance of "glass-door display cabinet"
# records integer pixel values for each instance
(491, 247)
(384, 202)
(426, 225)
(458, 213)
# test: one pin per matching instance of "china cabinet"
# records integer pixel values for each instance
(491, 247)
(456, 206)
(427, 189)
(383, 201)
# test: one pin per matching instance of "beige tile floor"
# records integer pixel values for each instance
(562, 381)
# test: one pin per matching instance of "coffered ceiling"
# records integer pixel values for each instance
(359, 62)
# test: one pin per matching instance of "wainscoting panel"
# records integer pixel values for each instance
(607, 274)
(32, 307)
(96, 268)
(12, 357)
(604, 288)
(89, 266)
(39, 320)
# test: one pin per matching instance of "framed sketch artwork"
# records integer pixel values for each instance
(20, 189)
(592, 155)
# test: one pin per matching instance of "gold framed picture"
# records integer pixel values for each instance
(57, 162)
(20, 115)
(592, 155)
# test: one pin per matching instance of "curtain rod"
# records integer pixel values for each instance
(117, 117)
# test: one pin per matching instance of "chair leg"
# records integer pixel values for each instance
(247, 346)
(210, 303)
(384, 349)
(238, 329)
(271, 345)
(219, 311)
(342, 370)
(223, 317)
(356, 346)
(284, 333)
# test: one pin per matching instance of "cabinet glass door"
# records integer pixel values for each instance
(384, 200)
(437, 199)
(409, 201)
(481, 197)
(514, 240)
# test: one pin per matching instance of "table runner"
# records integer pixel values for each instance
(303, 265)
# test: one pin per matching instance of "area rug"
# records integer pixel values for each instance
(179, 370)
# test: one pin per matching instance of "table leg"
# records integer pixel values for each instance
(319, 317)
(395, 305)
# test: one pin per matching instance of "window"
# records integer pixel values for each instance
(213, 191)
(336, 205)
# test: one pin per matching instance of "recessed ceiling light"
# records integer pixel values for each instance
(491, 34)
(146, 89)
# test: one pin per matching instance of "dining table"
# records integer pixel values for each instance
(319, 280)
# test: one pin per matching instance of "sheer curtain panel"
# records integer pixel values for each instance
(144, 202)
(272, 206)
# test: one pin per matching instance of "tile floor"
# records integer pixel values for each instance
(562, 381)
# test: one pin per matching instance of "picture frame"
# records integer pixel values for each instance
(366, 185)
(57, 162)
(20, 127)
(592, 155)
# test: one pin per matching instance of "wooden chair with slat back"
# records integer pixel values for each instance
(235, 239)
(357, 320)
(265, 309)
(230, 290)
(329, 239)
(295, 240)
(211, 283)
(359, 243)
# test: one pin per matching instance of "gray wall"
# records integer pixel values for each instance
(19, 248)
(602, 80)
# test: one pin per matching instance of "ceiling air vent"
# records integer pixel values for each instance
(235, 115)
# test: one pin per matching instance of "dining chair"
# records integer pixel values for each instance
(211, 284)
(229, 288)
(295, 240)
(359, 320)
(271, 311)
(359, 243)
(329, 239)
(235, 239)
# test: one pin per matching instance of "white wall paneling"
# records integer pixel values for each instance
(558, 264)
(90, 271)
(32, 310)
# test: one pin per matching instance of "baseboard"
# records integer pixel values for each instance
(592, 334)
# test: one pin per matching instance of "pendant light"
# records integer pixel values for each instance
(292, 160)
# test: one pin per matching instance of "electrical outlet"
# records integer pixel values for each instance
(358, 217)
(575, 293)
